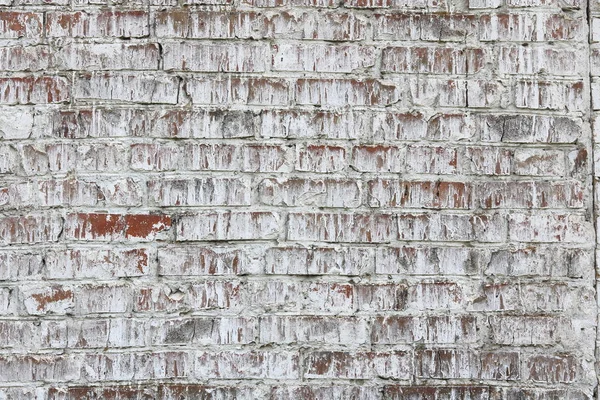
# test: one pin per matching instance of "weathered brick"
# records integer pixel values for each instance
(432, 60)
(528, 27)
(378, 158)
(431, 160)
(49, 193)
(529, 194)
(552, 368)
(418, 194)
(549, 95)
(453, 227)
(426, 261)
(199, 192)
(529, 61)
(267, 158)
(254, 364)
(34, 90)
(322, 58)
(319, 297)
(569, 228)
(227, 226)
(307, 124)
(352, 228)
(103, 298)
(190, 156)
(192, 56)
(32, 368)
(125, 24)
(34, 228)
(318, 261)
(48, 300)
(126, 87)
(359, 365)
(299, 199)
(20, 24)
(321, 158)
(176, 261)
(339, 92)
(450, 363)
(135, 366)
(529, 129)
(488, 161)
(233, 90)
(313, 330)
(539, 261)
(26, 58)
(108, 56)
(204, 331)
(442, 329)
(301, 192)
(99, 264)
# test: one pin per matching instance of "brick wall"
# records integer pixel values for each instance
(298, 199)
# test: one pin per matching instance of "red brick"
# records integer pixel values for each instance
(115, 226)
(19, 24)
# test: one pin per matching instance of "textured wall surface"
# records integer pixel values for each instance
(298, 199)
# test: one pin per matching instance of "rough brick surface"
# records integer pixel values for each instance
(299, 199)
